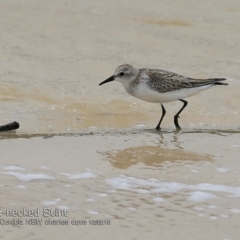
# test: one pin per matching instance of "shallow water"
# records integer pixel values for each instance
(189, 178)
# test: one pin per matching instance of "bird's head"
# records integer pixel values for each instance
(125, 74)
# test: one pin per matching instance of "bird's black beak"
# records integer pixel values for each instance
(107, 80)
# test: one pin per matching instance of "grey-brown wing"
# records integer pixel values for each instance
(164, 81)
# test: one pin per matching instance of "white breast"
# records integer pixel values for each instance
(144, 92)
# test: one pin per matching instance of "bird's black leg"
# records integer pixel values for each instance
(163, 114)
(185, 103)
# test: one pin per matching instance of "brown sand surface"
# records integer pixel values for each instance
(92, 151)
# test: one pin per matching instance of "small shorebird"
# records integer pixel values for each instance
(159, 86)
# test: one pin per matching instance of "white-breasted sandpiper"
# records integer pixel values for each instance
(159, 86)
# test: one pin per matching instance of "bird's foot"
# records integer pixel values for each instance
(178, 128)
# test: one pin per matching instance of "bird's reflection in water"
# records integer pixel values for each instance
(152, 156)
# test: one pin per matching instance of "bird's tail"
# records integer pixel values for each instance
(217, 81)
(9, 126)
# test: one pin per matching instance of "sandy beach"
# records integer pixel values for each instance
(91, 152)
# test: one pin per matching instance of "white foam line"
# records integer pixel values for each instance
(156, 186)
(79, 175)
(28, 176)
(234, 210)
(12, 168)
(222, 170)
(198, 196)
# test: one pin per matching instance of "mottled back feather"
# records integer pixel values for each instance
(165, 81)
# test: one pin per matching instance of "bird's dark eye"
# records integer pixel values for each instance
(121, 73)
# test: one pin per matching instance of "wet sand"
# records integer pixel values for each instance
(92, 150)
